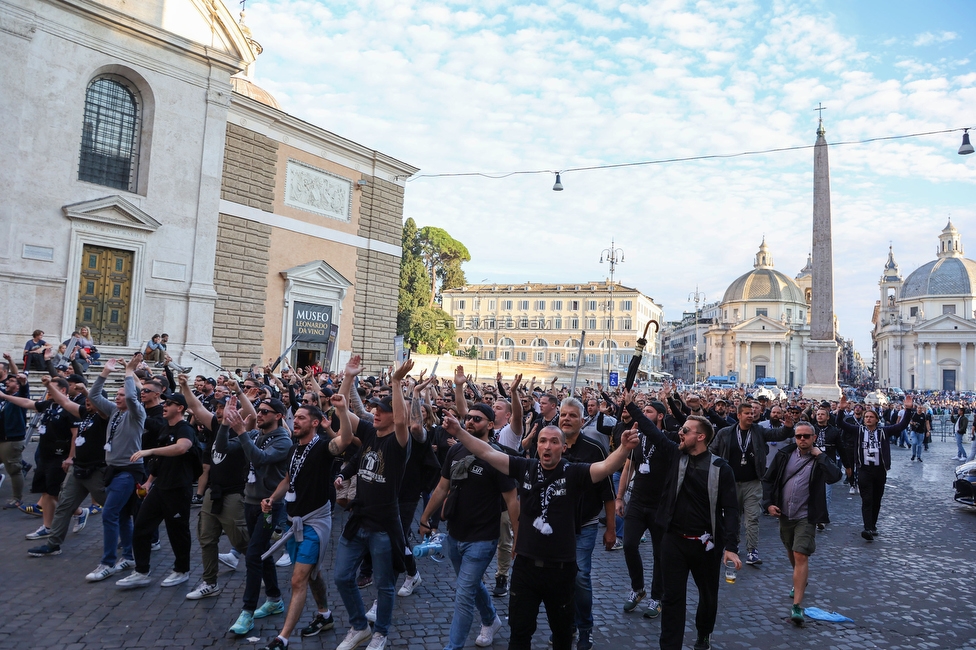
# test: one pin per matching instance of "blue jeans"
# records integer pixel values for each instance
(619, 528)
(960, 449)
(115, 527)
(585, 543)
(918, 439)
(348, 556)
(470, 560)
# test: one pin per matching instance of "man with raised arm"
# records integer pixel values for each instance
(126, 419)
(374, 522)
(306, 490)
(550, 491)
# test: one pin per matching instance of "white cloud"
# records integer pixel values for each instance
(461, 87)
(928, 38)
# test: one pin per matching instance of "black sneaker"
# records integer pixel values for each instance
(703, 642)
(584, 642)
(501, 587)
(364, 581)
(866, 534)
(276, 644)
(44, 551)
(196, 501)
(319, 624)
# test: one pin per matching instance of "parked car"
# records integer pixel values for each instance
(965, 483)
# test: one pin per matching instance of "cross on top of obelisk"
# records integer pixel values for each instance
(820, 109)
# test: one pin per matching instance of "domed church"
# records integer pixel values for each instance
(924, 329)
(761, 325)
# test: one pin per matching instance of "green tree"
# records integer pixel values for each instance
(442, 256)
(429, 254)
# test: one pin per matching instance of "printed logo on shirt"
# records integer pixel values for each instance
(372, 468)
(217, 457)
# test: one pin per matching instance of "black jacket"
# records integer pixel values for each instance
(824, 471)
(726, 513)
(760, 436)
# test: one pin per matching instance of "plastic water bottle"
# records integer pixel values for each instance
(430, 546)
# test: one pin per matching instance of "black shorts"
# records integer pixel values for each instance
(48, 476)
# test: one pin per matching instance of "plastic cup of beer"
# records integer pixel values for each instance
(730, 572)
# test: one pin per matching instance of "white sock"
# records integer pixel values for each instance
(283, 639)
(326, 614)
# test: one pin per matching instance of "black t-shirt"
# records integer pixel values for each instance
(550, 503)
(13, 419)
(587, 450)
(747, 471)
(312, 478)
(692, 514)
(650, 472)
(382, 463)
(918, 422)
(55, 430)
(175, 471)
(90, 442)
(479, 505)
(228, 472)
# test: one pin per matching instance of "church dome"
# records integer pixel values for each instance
(950, 274)
(764, 283)
(248, 88)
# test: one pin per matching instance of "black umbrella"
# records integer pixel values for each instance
(638, 354)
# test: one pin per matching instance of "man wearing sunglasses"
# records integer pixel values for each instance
(700, 515)
(795, 490)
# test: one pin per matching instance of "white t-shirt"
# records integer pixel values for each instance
(507, 438)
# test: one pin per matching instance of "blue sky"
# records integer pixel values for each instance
(500, 86)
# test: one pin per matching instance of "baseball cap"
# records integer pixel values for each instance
(485, 410)
(177, 398)
(277, 405)
(385, 403)
(77, 379)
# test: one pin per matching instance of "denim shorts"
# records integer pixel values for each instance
(306, 551)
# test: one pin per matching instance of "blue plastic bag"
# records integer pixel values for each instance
(822, 615)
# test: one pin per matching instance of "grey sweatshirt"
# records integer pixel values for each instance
(268, 455)
(128, 424)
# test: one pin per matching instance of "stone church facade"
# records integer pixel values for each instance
(152, 187)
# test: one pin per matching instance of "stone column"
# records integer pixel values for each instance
(936, 384)
(918, 366)
(747, 370)
(774, 350)
(962, 383)
(821, 349)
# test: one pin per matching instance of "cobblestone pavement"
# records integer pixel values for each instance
(911, 588)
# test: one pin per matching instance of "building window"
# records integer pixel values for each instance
(789, 314)
(523, 322)
(574, 323)
(626, 305)
(110, 134)
(540, 305)
(591, 323)
(626, 324)
(506, 355)
(489, 323)
(490, 355)
(557, 323)
(460, 322)
(540, 357)
(491, 304)
(948, 309)
(762, 311)
(590, 357)
(523, 305)
(801, 314)
(474, 323)
(507, 305)
(476, 303)
(913, 312)
(557, 305)
(591, 305)
(574, 305)
(459, 304)
(520, 356)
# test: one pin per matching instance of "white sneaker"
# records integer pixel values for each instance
(853, 490)
(80, 521)
(135, 579)
(411, 583)
(354, 638)
(284, 560)
(41, 533)
(229, 559)
(155, 546)
(487, 636)
(205, 590)
(175, 578)
(124, 565)
(378, 642)
(101, 572)
(371, 614)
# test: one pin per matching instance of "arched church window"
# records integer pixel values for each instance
(110, 134)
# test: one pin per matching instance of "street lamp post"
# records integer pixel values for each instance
(696, 296)
(614, 256)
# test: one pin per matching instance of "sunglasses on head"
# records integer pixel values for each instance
(474, 418)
